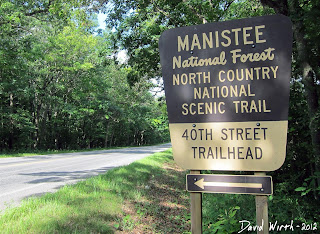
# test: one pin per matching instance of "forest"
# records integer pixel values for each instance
(62, 86)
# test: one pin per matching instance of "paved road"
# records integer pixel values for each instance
(33, 176)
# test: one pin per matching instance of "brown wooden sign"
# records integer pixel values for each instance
(227, 92)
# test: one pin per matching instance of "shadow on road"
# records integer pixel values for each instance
(64, 176)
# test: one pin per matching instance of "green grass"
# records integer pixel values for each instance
(91, 206)
(147, 196)
(30, 152)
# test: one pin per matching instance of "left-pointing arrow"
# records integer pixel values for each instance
(201, 183)
(236, 184)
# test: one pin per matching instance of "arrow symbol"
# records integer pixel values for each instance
(201, 183)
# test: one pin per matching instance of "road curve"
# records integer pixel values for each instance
(33, 176)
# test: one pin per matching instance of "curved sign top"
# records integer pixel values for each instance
(227, 89)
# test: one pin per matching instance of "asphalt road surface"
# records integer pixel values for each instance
(33, 176)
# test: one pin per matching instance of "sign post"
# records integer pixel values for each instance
(196, 209)
(262, 211)
(227, 91)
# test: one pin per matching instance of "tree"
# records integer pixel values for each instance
(27, 75)
(306, 63)
(60, 86)
(139, 24)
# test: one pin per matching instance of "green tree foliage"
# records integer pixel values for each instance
(306, 69)
(138, 25)
(60, 86)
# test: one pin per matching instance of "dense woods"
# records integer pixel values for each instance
(62, 87)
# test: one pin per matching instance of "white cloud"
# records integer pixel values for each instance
(101, 20)
(122, 56)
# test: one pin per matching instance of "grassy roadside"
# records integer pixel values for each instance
(48, 152)
(147, 196)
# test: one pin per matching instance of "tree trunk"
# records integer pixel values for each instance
(111, 138)
(10, 140)
(107, 130)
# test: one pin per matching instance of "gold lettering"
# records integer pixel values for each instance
(195, 42)
(208, 107)
(265, 107)
(223, 34)
(217, 39)
(224, 91)
(274, 70)
(212, 91)
(175, 79)
(184, 79)
(259, 105)
(246, 35)
(192, 77)
(207, 41)
(249, 91)
(252, 57)
(185, 63)
(176, 62)
(258, 34)
(257, 69)
(220, 107)
(230, 75)
(265, 72)
(236, 35)
(197, 93)
(253, 106)
(184, 45)
(234, 90)
(206, 78)
(192, 112)
(235, 55)
(185, 108)
(200, 112)
(226, 37)
(237, 75)
(236, 103)
(205, 93)
(244, 106)
(249, 74)
(203, 108)
(242, 91)
(220, 78)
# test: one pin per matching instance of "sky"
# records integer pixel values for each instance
(123, 57)
(101, 20)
